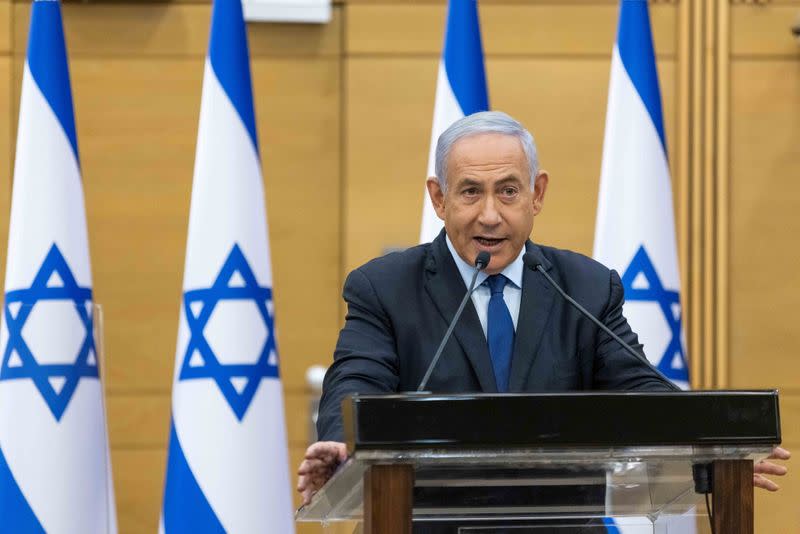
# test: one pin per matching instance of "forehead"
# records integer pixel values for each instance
(490, 152)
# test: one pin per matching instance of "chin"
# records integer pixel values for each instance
(497, 264)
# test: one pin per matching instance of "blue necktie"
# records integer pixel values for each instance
(499, 332)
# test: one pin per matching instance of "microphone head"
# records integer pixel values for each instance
(531, 260)
(482, 260)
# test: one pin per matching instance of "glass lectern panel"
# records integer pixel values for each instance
(522, 491)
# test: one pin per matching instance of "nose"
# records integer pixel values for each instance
(489, 213)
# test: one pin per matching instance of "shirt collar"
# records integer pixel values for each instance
(513, 270)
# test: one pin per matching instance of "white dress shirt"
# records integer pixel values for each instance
(512, 293)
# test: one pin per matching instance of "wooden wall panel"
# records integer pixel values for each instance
(764, 278)
(6, 107)
(7, 119)
(778, 512)
(141, 420)
(790, 413)
(298, 113)
(139, 487)
(764, 30)
(527, 30)
(5, 26)
(389, 107)
(138, 421)
(170, 29)
(123, 29)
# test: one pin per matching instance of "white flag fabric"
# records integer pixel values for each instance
(55, 473)
(460, 89)
(635, 230)
(227, 467)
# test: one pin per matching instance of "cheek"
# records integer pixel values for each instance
(523, 221)
(461, 214)
(528, 209)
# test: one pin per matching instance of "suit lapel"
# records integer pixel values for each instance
(534, 310)
(446, 287)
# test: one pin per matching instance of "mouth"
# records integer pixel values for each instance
(489, 242)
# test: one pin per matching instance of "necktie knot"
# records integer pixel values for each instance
(496, 283)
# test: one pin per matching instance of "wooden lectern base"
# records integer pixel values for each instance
(733, 496)
(388, 499)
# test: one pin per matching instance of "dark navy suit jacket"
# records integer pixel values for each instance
(400, 305)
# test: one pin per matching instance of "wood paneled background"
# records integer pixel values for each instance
(344, 118)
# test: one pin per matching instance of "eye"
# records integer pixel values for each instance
(470, 191)
(508, 191)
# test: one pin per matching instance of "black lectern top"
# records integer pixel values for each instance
(585, 419)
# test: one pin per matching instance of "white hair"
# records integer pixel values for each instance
(483, 123)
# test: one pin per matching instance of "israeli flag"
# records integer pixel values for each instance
(460, 89)
(635, 230)
(55, 473)
(227, 466)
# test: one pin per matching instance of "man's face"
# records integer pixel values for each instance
(489, 204)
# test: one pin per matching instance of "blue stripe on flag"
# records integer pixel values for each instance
(230, 59)
(463, 56)
(47, 59)
(17, 515)
(635, 43)
(186, 508)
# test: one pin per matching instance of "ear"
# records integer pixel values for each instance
(539, 189)
(437, 196)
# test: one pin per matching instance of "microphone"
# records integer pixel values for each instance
(481, 261)
(532, 262)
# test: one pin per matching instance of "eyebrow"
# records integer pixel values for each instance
(510, 178)
(466, 182)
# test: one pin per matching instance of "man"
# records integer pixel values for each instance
(515, 335)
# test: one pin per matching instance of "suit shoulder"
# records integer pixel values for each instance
(395, 268)
(568, 262)
(586, 280)
(397, 261)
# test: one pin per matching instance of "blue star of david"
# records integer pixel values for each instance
(672, 367)
(209, 367)
(18, 360)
